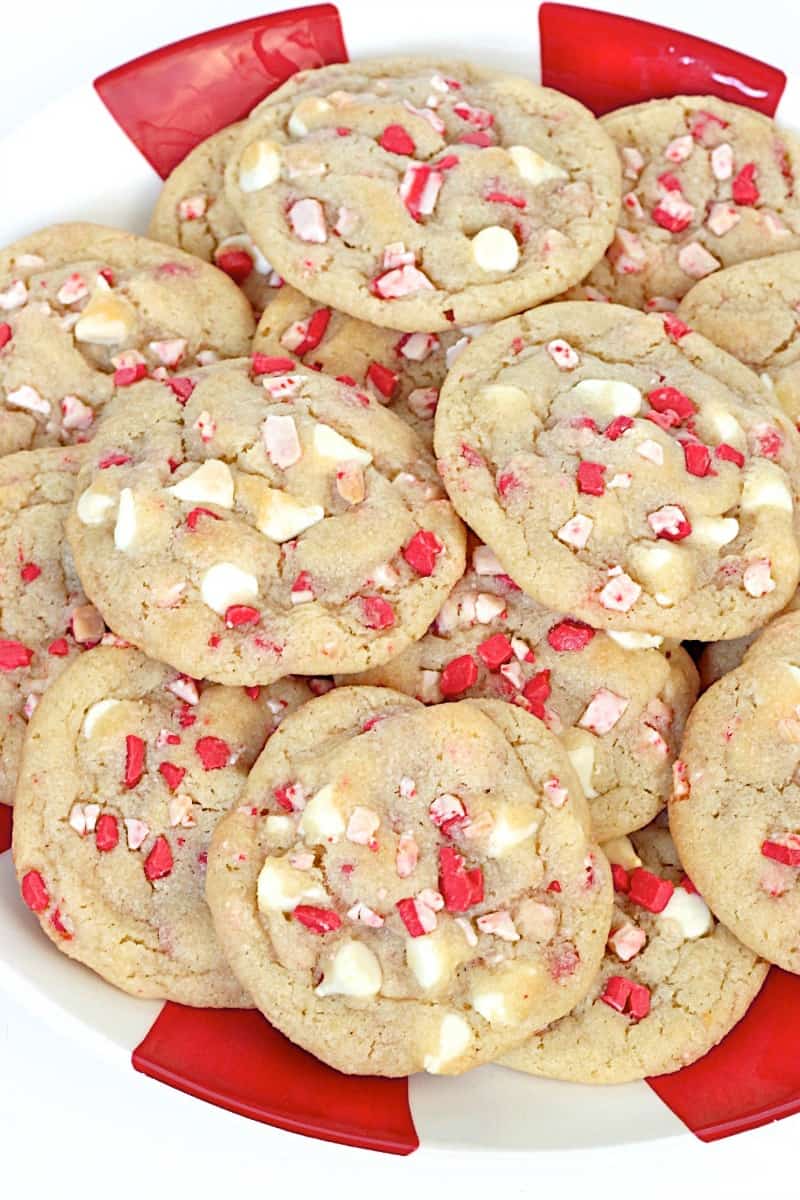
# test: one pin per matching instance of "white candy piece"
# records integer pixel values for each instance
(714, 531)
(27, 398)
(690, 911)
(259, 166)
(454, 1037)
(495, 249)
(307, 219)
(607, 398)
(575, 532)
(426, 961)
(354, 971)
(211, 483)
(281, 518)
(281, 441)
(330, 444)
(125, 527)
(636, 641)
(764, 486)
(322, 819)
(532, 167)
(94, 508)
(509, 831)
(225, 584)
(281, 887)
(94, 714)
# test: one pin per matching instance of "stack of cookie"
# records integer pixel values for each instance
(385, 698)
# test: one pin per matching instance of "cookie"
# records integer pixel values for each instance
(706, 184)
(258, 521)
(735, 809)
(406, 888)
(753, 311)
(45, 619)
(85, 309)
(418, 194)
(618, 702)
(401, 370)
(127, 768)
(672, 984)
(624, 471)
(717, 658)
(192, 212)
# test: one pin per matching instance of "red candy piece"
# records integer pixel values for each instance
(269, 364)
(125, 376)
(616, 993)
(13, 656)
(729, 454)
(408, 914)
(6, 334)
(505, 198)
(397, 140)
(376, 613)
(669, 182)
(479, 138)
(670, 400)
(34, 892)
(181, 386)
(639, 1002)
(674, 327)
(787, 853)
(134, 760)
(570, 635)
(461, 888)
(318, 920)
(172, 774)
(59, 648)
(743, 187)
(621, 878)
(458, 676)
(537, 692)
(495, 651)
(30, 572)
(669, 221)
(617, 427)
(253, 692)
(649, 890)
(213, 753)
(237, 264)
(590, 478)
(194, 516)
(57, 921)
(315, 331)
(698, 458)
(106, 834)
(422, 551)
(241, 614)
(159, 862)
(114, 459)
(383, 379)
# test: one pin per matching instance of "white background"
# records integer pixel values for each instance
(72, 1124)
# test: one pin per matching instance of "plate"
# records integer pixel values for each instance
(107, 143)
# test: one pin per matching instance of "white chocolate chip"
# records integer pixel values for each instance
(211, 483)
(691, 913)
(607, 398)
(281, 517)
(504, 394)
(575, 532)
(125, 527)
(427, 960)
(27, 398)
(714, 531)
(510, 828)
(620, 851)
(330, 444)
(532, 167)
(94, 715)
(259, 166)
(94, 507)
(281, 887)
(278, 827)
(107, 320)
(580, 747)
(309, 111)
(322, 819)
(635, 641)
(225, 584)
(455, 1035)
(764, 486)
(495, 249)
(353, 971)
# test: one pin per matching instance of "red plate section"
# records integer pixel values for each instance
(607, 61)
(236, 1060)
(750, 1078)
(6, 825)
(170, 100)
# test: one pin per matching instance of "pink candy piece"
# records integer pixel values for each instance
(603, 711)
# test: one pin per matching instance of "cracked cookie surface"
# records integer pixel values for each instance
(735, 810)
(85, 309)
(625, 470)
(672, 984)
(127, 768)
(415, 193)
(262, 521)
(406, 888)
